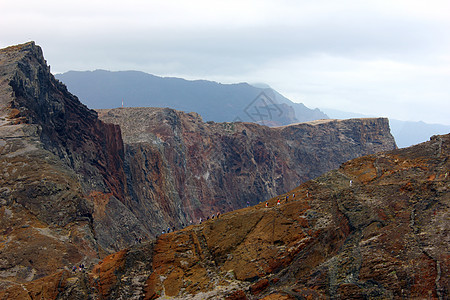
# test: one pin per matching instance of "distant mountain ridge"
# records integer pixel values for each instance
(212, 100)
(218, 102)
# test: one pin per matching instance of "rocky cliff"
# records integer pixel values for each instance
(375, 228)
(59, 166)
(180, 169)
(71, 191)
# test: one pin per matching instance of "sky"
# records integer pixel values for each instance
(387, 58)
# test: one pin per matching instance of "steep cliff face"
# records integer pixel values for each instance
(180, 169)
(61, 175)
(376, 228)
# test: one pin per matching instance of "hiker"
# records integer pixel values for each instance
(267, 204)
(278, 202)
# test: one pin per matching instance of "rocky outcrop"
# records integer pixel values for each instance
(72, 192)
(64, 126)
(180, 169)
(375, 228)
(61, 177)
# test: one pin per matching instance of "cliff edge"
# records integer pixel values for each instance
(60, 165)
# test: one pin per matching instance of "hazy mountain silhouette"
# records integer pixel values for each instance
(212, 100)
(217, 102)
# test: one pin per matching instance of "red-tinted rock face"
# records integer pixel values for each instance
(342, 235)
(180, 169)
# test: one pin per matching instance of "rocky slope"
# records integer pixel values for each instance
(180, 169)
(376, 228)
(72, 192)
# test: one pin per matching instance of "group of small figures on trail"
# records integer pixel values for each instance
(286, 199)
(212, 217)
(138, 240)
(201, 220)
(81, 268)
(293, 196)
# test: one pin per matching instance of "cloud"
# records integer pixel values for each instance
(373, 87)
(367, 56)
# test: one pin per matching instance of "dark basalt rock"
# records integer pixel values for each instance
(56, 156)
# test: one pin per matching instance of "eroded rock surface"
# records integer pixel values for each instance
(72, 192)
(180, 169)
(376, 228)
(60, 167)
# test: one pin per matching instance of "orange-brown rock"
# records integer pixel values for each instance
(278, 296)
(237, 295)
(50, 287)
(104, 275)
(346, 248)
(259, 286)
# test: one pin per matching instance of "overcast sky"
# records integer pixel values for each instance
(385, 58)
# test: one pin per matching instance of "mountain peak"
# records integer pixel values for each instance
(17, 52)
